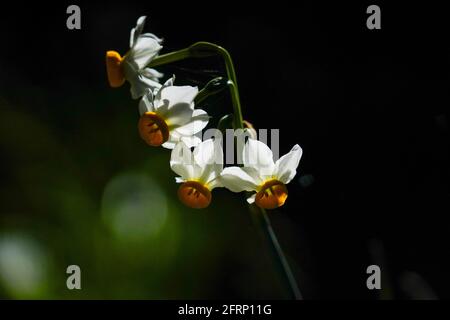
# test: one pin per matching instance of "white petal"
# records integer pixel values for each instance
(251, 199)
(182, 162)
(138, 82)
(255, 175)
(181, 154)
(187, 172)
(152, 73)
(197, 123)
(252, 133)
(169, 144)
(146, 103)
(174, 138)
(204, 153)
(143, 51)
(176, 115)
(169, 82)
(179, 180)
(257, 155)
(136, 31)
(208, 155)
(177, 94)
(153, 36)
(237, 180)
(139, 85)
(157, 92)
(286, 166)
(191, 141)
(215, 183)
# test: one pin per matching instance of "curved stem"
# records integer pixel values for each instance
(206, 49)
(231, 74)
(170, 57)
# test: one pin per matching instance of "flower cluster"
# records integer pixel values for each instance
(168, 118)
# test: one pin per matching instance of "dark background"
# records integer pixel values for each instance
(368, 107)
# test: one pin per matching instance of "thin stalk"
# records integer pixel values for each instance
(171, 57)
(206, 49)
(231, 74)
(295, 290)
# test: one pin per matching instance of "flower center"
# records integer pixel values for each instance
(272, 194)
(114, 70)
(194, 194)
(153, 129)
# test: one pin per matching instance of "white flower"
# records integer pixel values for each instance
(261, 174)
(168, 116)
(198, 171)
(132, 67)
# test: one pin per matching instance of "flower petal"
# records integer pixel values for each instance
(136, 31)
(179, 180)
(182, 162)
(169, 82)
(251, 199)
(191, 141)
(138, 82)
(143, 51)
(208, 152)
(146, 103)
(169, 145)
(255, 175)
(257, 155)
(215, 183)
(208, 155)
(286, 166)
(157, 92)
(174, 138)
(197, 123)
(237, 180)
(152, 74)
(176, 115)
(176, 94)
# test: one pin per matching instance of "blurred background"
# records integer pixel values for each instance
(370, 108)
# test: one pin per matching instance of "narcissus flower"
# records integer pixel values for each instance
(198, 171)
(132, 66)
(168, 116)
(261, 174)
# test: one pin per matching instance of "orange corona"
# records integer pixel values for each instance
(272, 194)
(194, 194)
(114, 69)
(153, 129)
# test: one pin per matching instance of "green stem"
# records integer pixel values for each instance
(170, 57)
(207, 49)
(284, 264)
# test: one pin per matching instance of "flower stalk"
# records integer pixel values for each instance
(281, 258)
(202, 50)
